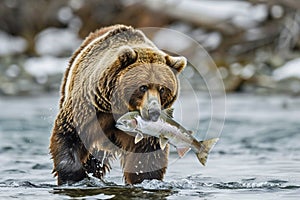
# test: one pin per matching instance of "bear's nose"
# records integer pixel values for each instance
(154, 114)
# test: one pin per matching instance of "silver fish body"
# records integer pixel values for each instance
(168, 131)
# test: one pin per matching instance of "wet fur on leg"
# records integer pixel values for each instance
(68, 153)
(146, 162)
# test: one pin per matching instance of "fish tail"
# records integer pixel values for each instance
(205, 148)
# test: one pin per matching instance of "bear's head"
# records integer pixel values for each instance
(145, 81)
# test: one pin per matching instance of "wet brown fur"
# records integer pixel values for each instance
(104, 84)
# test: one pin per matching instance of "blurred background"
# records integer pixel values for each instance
(254, 43)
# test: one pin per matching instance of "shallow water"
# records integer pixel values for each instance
(258, 155)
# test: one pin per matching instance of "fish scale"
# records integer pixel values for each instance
(162, 129)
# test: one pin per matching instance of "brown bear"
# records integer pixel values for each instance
(116, 69)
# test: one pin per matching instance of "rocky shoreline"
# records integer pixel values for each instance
(30, 76)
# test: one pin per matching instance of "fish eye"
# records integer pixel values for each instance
(161, 90)
(143, 88)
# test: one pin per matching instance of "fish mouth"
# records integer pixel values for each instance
(118, 124)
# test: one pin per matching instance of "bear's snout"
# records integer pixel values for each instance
(154, 114)
(153, 109)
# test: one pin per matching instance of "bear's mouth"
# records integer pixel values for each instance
(150, 109)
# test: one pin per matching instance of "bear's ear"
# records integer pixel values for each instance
(177, 63)
(126, 56)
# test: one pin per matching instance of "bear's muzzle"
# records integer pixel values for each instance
(154, 110)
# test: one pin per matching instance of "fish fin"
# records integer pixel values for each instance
(203, 153)
(182, 151)
(139, 136)
(163, 142)
(169, 112)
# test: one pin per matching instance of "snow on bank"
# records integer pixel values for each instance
(10, 44)
(56, 42)
(290, 69)
(241, 13)
(42, 67)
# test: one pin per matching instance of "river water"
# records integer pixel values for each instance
(257, 157)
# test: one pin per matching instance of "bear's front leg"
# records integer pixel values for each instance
(68, 154)
(149, 162)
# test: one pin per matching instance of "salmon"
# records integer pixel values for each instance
(168, 131)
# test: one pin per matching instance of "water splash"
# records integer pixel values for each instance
(192, 183)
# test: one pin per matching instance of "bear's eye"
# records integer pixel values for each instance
(143, 88)
(161, 90)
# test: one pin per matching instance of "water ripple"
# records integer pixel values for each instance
(25, 184)
(151, 189)
(237, 185)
